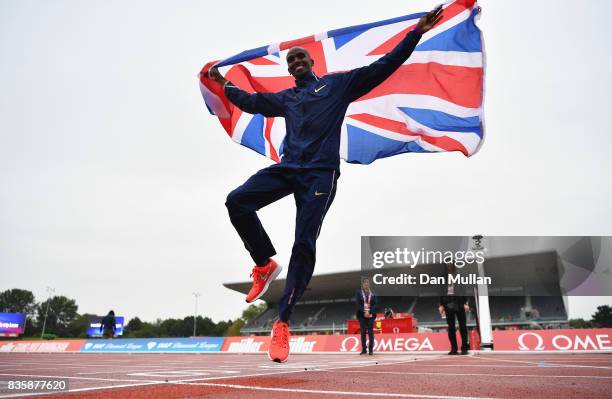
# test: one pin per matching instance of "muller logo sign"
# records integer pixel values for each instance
(302, 345)
(298, 344)
(246, 345)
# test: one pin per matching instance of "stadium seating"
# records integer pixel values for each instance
(331, 315)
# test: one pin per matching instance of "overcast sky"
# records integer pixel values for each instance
(113, 175)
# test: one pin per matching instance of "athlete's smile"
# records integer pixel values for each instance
(299, 62)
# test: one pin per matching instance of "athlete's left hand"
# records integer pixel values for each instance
(430, 20)
(216, 76)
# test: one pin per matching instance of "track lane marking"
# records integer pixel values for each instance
(544, 361)
(372, 363)
(346, 393)
(477, 374)
(80, 390)
(77, 378)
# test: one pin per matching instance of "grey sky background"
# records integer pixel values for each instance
(113, 175)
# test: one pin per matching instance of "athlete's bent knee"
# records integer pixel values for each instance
(232, 202)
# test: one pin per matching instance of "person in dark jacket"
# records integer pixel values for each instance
(366, 300)
(108, 325)
(309, 168)
(455, 307)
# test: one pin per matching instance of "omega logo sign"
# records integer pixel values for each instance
(531, 341)
(539, 342)
(398, 344)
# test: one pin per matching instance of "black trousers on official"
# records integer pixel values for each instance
(459, 314)
(367, 325)
(314, 191)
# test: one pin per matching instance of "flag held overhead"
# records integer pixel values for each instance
(432, 103)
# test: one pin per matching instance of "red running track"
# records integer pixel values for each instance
(142, 376)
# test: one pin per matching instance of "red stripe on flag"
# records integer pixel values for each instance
(444, 142)
(242, 78)
(459, 85)
(236, 113)
(297, 42)
(449, 12)
(315, 49)
(267, 135)
(216, 89)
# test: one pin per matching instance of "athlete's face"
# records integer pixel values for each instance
(365, 285)
(299, 62)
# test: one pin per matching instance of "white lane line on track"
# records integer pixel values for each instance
(372, 363)
(184, 373)
(557, 360)
(326, 392)
(576, 357)
(114, 367)
(140, 370)
(186, 381)
(79, 390)
(544, 363)
(478, 374)
(77, 378)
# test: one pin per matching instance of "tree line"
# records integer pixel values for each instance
(600, 319)
(64, 320)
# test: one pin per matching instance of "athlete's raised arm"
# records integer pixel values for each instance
(267, 104)
(360, 81)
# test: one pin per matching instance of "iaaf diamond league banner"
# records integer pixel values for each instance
(209, 344)
(535, 266)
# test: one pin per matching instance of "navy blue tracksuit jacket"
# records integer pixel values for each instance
(310, 162)
(366, 325)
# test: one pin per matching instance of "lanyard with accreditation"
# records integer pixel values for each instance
(366, 303)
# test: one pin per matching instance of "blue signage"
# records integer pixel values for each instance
(93, 329)
(12, 324)
(212, 344)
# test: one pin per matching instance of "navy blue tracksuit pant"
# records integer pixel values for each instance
(314, 191)
(367, 326)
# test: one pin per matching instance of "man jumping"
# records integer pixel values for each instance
(309, 168)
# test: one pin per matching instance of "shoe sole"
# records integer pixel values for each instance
(273, 276)
(277, 360)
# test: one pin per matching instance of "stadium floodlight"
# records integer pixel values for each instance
(49, 292)
(195, 314)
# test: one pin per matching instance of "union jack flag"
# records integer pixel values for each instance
(432, 103)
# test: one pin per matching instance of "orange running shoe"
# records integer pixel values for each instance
(279, 344)
(262, 277)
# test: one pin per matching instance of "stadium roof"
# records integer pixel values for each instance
(552, 264)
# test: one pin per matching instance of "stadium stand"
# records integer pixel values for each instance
(328, 303)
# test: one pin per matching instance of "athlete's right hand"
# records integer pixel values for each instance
(429, 20)
(216, 76)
